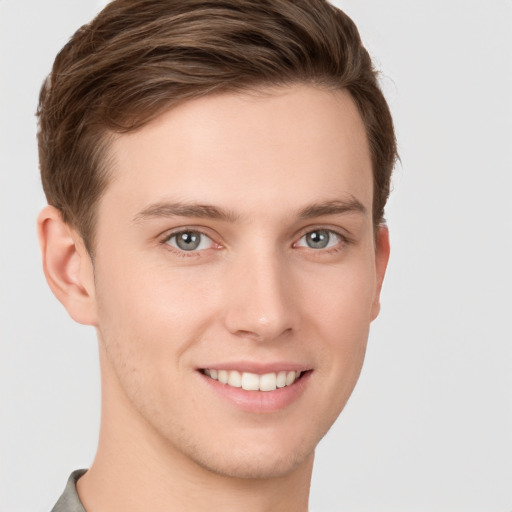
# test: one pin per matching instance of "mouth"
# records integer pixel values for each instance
(257, 388)
(253, 381)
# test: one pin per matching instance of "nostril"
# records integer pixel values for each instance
(263, 333)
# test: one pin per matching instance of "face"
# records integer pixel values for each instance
(237, 272)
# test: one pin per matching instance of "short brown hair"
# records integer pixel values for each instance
(138, 58)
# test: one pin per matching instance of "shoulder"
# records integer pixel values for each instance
(69, 500)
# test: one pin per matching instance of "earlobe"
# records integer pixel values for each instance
(382, 250)
(67, 266)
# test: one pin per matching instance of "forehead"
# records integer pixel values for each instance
(265, 150)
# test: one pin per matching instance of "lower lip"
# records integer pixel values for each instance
(259, 401)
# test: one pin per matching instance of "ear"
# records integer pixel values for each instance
(381, 262)
(67, 266)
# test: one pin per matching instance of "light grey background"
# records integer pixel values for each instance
(429, 427)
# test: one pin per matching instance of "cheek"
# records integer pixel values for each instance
(339, 310)
(147, 313)
(341, 297)
(149, 319)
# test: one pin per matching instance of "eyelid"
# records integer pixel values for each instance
(337, 230)
(344, 239)
(169, 234)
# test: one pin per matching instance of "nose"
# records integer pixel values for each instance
(260, 300)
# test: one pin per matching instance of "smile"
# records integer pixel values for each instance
(252, 381)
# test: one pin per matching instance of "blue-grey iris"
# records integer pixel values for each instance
(318, 239)
(188, 240)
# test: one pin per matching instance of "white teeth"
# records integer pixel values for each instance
(281, 380)
(252, 381)
(268, 382)
(235, 379)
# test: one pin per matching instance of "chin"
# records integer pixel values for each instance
(246, 465)
(259, 455)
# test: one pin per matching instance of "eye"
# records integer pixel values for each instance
(319, 239)
(189, 240)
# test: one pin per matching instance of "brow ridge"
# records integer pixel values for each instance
(168, 209)
(179, 209)
(333, 207)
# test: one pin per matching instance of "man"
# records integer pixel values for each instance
(216, 174)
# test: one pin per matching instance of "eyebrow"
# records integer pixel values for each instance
(167, 209)
(336, 207)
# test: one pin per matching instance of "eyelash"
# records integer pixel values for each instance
(344, 241)
(182, 253)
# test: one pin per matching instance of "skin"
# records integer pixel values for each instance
(253, 291)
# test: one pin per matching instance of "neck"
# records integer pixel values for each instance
(136, 470)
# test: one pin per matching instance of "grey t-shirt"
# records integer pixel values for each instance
(69, 501)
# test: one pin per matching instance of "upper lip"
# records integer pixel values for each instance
(258, 367)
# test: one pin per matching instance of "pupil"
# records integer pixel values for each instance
(318, 239)
(188, 240)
